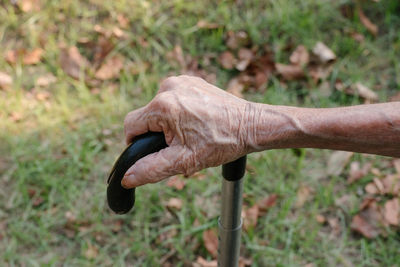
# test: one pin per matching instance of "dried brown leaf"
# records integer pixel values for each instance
(371, 27)
(91, 252)
(72, 62)
(396, 163)
(101, 50)
(176, 182)
(176, 56)
(337, 162)
(335, 226)
(110, 68)
(32, 57)
(245, 57)
(370, 188)
(237, 40)
(320, 218)
(29, 5)
(175, 203)
(202, 24)
(45, 80)
(235, 87)
(303, 194)
(360, 225)
(201, 262)
(356, 172)
(5, 80)
(391, 211)
(210, 240)
(290, 72)
(227, 60)
(391, 184)
(323, 53)
(123, 21)
(366, 93)
(250, 217)
(243, 262)
(266, 203)
(300, 56)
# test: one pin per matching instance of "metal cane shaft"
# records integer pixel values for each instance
(230, 222)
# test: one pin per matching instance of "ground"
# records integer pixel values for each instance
(71, 70)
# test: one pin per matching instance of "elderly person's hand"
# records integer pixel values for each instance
(203, 125)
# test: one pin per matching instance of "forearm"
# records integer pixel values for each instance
(371, 129)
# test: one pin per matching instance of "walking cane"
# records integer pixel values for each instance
(121, 200)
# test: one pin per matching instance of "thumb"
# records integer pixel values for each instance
(154, 167)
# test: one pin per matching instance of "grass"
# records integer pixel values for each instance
(55, 159)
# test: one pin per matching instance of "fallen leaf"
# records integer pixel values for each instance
(91, 252)
(236, 40)
(45, 80)
(110, 68)
(320, 72)
(320, 218)
(266, 203)
(176, 182)
(379, 185)
(371, 27)
(16, 116)
(175, 203)
(201, 262)
(29, 5)
(32, 57)
(118, 32)
(368, 220)
(235, 87)
(72, 62)
(5, 80)
(123, 21)
(101, 50)
(360, 225)
(391, 184)
(300, 56)
(396, 162)
(366, 93)
(243, 262)
(202, 24)
(337, 162)
(37, 200)
(227, 60)
(290, 72)
(210, 240)
(245, 56)
(335, 226)
(391, 211)
(250, 217)
(357, 37)
(176, 56)
(370, 188)
(323, 53)
(356, 172)
(303, 194)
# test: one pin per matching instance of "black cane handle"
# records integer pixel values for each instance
(119, 199)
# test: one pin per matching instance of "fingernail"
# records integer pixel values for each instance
(127, 181)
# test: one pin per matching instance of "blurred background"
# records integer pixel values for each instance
(70, 70)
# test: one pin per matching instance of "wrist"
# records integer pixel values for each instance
(273, 127)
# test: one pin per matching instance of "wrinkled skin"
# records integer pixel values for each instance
(203, 127)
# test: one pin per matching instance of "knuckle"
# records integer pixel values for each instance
(169, 83)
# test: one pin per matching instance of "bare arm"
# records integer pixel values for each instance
(205, 126)
(373, 129)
